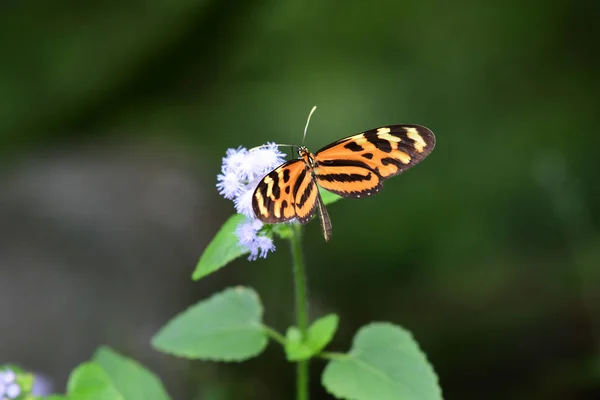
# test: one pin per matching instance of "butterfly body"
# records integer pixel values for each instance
(355, 166)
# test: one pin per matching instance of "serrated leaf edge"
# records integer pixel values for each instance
(412, 337)
(131, 361)
(218, 359)
(338, 395)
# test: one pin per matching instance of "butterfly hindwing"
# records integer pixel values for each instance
(348, 178)
(273, 199)
(357, 165)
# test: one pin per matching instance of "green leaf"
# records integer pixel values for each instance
(131, 379)
(224, 327)
(221, 250)
(321, 332)
(318, 336)
(89, 381)
(385, 363)
(295, 349)
(328, 197)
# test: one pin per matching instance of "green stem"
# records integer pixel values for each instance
(332, 355)
(273, 334)
(301, 307)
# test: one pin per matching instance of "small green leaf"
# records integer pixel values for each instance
(89, 381)
(221, 250)
(321, 332)
(318, 336)
(328, 197)
(293, 335)
(130, 378)
(295, 348)
(385, 363)
(224, 327)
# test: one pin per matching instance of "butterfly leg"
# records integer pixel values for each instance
(324, 218)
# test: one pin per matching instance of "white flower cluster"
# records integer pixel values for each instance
(241, 171)
(9, 388)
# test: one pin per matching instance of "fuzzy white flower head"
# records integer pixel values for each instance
(241, 172)
(234, 158)
(266, 158)
(246, 232)
(229, 185)
(249, 237)
(265, 245)
(243, 202)
(9, 388)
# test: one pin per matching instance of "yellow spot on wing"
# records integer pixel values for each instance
(419, 143)
(261, 205)
(361, 140)
(388, 137)
(269, 182)
(277, 212)
(381, 131)
(402, 156)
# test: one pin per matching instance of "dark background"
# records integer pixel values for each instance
(114, 117)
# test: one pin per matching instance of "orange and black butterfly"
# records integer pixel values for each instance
(355, 166)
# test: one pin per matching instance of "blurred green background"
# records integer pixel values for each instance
(114, 117)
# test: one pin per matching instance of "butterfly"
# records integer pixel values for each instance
(355, 166)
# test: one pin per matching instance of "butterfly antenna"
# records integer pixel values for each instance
(273, 144)
(307, 122)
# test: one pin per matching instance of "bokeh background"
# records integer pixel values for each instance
(114, 117)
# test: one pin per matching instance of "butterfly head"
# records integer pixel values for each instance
(306, 156)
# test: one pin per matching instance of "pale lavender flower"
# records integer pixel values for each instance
(234, 158)
(264, 245)
(266, 158)
(9, 388)
(246, 231)
(42, 385)
(241, 172)
(229, 185)
(243, 202)
(249, 237)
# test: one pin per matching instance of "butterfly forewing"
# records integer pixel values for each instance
(273, 199)
(356, 166)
